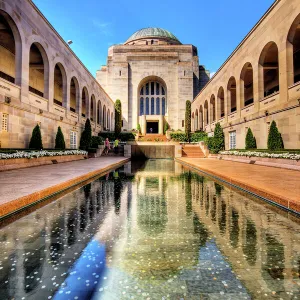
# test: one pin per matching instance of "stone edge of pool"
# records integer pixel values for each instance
(271, 198)
(17, 205)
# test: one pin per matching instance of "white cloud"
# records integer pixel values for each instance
(212, 74)
(104, 27)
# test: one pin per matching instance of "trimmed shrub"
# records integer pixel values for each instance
(96, 140)
(118, 117)
(198, 136)
(123, 136)
(60, 140)
(36, 139)
(219, 139)
(275, 141)
(86, 136)
(250, 142)
(179, 136)
(166, 127)
(217, 142)
(188, 114)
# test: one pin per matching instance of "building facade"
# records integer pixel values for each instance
(43, 82)
(153, 75)
(258, 83)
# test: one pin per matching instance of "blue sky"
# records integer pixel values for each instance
(215, 27)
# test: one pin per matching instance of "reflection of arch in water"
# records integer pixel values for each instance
(152, 214)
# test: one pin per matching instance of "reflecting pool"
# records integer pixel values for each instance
(156, 231)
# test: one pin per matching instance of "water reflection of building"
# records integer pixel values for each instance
(258, 242)
(45, 243)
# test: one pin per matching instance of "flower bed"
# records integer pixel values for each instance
(292, 156)
(42, 153)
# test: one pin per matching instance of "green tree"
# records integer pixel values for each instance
(86, 136)
(36, 139)
(60, 140)
(275, 141)
(188, 119)
(118, 117)
(219, 139)
(138, 128)
(250, 141)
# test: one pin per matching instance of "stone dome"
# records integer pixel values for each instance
(153, 33)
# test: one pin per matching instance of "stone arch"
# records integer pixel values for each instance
(38, 70)
(231, 92)
(206, 113)
(269, 70)
(93, 108)
(293, 52)
(221, 103)
(201, 117)
(212, 110)
(108, 119)
(60, 85)
(74, 95)
(11, 43)
(152, 96)
(99, 113)
(84, 102)
(104, 117)
(246, 88)
(196, 121)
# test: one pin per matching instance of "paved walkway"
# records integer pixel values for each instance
(19, 188)
(279, 185)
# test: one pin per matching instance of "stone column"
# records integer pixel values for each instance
(161, 125)
(283, 76)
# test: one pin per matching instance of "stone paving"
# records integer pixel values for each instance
(279, 185)
(19, 188)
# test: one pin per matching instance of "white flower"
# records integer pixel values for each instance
(286, 155)
(41, 153)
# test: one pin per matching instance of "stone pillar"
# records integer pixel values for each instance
(22, 76)
(51, 90)
(238, 98)
(144, 125)
(66, 101)
(161, 125)
(283, 76)
(256, 88)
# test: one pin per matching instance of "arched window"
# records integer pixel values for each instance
(154, 105)
(221, 103)
(93, 101)
(196, 120)
(247, 85)
(11, 50)
(269, 69)
(141, 106)
(294, 45)
(74, 95)
(231, 88)
(108, 119)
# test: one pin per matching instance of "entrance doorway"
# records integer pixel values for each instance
(152, 127)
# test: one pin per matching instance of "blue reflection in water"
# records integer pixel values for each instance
(85, 275)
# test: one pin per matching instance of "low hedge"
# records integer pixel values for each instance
(123, 136)
(198, 136)
(179, 136)
(97, 140)
(194, 137)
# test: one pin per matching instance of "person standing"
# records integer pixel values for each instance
(107, 146)
(116, 146)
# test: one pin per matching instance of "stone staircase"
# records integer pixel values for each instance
(192, 151)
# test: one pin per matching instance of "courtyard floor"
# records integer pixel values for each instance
(279, 185)
(22, 187)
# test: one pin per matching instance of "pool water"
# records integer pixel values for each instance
(154, 231)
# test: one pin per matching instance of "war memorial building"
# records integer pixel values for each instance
(153, 74)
